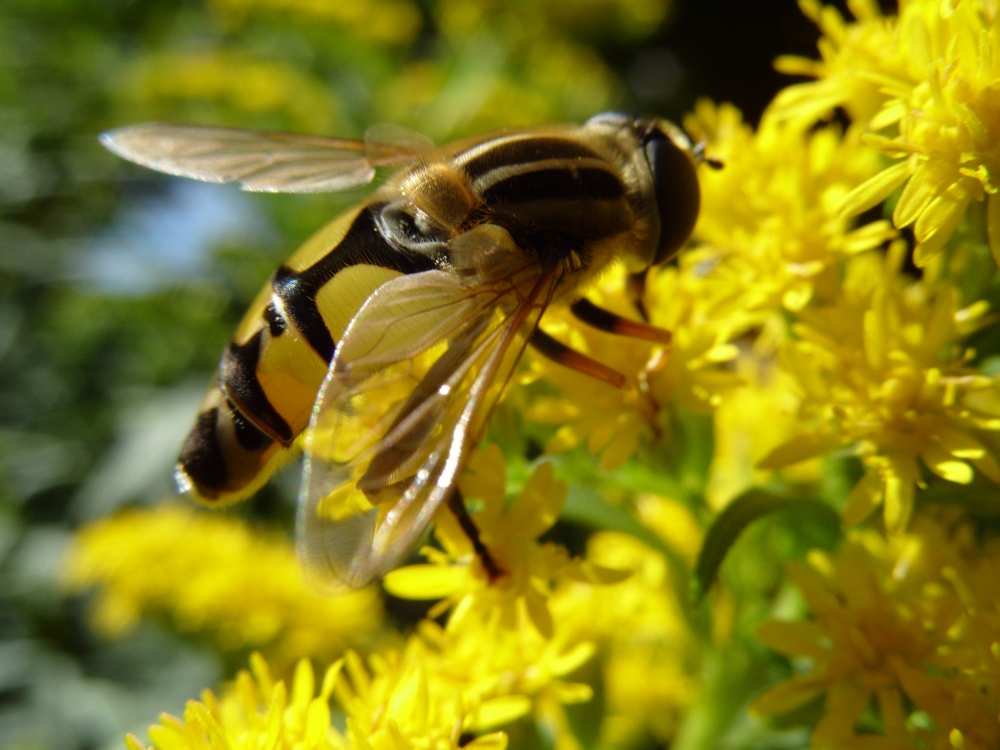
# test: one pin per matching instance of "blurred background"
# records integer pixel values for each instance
(119, 287)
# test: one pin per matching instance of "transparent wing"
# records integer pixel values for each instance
(261, 160)
(409, 394)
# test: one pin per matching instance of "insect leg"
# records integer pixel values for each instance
(604, 320)
(456, 504)
(635, 287)
(561, 354)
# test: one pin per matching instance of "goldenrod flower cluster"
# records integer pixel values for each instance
(508, 649)
(388, 707)
(213, 576)
(883, 370)
(820, 348)
(902, 641)
(925, 85)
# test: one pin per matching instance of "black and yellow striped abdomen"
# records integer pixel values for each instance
(271, 372)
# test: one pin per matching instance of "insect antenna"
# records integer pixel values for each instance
(700, 157)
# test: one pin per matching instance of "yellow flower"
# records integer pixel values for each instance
(770, 230)
(211, 574)
(771, 240)
(253, 711)
(751, 422)
(528, 568)
(931, 77)
(859, 62)
(610, 421)
(507, 670)
(858, 639)
(893, 621)
(692, 371)
(388, 708)
(504, 658)
(401, 703)
(441, 686)
(649, 654)
(883, 371)
(696, 372)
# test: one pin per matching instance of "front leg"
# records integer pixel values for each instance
(605, 320)
(561, 354)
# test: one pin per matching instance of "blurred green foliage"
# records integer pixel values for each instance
(102, 371)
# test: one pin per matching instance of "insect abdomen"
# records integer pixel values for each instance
(271, 372)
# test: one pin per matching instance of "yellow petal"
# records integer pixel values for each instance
(944, 464)
(875, 190)
(798, 449)
(602, 576)
(941, 215)
(503, 710)
(573, 658)
(275, 712)
(620, 449)
(890, 704)
(425, 581)
(892, 112)
(797, 296)
(794, 65)
(931, 246)
(564, 438)
(869, 236)
(874, 327)
(494, 741)
(538, 612)
(793, 638)
(898, 503)
(785, 697)
(919, 192)
(330, 679)
(303, 684)
(572, 692)
(864, 498)
(538, 506)
(844, 704)
(953, 470)
(807, 102)
(317, 724)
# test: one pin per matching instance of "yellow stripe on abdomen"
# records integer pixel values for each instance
(272, 371)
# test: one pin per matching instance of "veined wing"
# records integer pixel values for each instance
(409, 394)
(261, 160)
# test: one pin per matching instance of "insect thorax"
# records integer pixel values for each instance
(550, 200)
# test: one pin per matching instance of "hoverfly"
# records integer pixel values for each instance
(385, 341)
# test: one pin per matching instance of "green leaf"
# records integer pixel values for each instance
(751, 506)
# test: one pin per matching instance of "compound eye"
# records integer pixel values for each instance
(677, 195)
